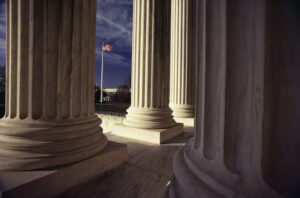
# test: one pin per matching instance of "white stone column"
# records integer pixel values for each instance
(183, 60)
(49, 119)
(150, 74)
(246, 141)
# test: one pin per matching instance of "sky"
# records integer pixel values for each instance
(114, 23)
(2, 32)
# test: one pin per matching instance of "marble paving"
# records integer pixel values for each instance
(144, 175)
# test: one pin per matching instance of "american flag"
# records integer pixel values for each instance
(106, 48)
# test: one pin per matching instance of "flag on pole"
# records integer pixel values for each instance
(106, 47)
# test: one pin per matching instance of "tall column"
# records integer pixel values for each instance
(150, 72)
(150, 66)
(246, 141)
(49, 119)
(183, 59)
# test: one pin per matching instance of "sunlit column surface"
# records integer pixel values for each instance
(247, 139)
(150, 66)
(49, 118)
(183, 58)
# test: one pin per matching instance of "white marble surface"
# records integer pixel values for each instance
(48, 183)
(155, 136)
(144, 175)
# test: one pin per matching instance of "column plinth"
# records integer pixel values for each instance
(149, 108)
(149, 118)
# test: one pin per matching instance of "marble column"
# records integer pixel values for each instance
(49, 118)
(183, 59)
(246, 141)
(149, 107)
(150, 66)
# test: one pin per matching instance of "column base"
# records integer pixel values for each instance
(42, 144)
(186, 183)
(155, 136)
(149, 118)
(186, 121)
(52, 182)
(191, 181)
(183, 111)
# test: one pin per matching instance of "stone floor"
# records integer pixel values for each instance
(144, 175)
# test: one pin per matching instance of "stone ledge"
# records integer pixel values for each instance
(109, 120)
(186, 121)
(155, 136)
(52, 182)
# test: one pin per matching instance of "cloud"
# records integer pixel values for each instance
(2, 17)
(2, 51)
(2, 45)
(2, 29)
(2, 33)
(120, 27)
(116, 2)
(114, 23)
(114, 59)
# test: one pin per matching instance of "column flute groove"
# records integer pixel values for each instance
(182, 75)
(150, 78)
(246, 141)
(50, 118)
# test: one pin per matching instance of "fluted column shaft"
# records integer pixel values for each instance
(246, 141)
(49, 118)
(150, 66)
(183, 61)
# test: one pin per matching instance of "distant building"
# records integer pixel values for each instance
(110, 92)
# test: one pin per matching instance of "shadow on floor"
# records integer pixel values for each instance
(144, 175)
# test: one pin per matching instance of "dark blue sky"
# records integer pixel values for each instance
(114, 23)
(2, 32)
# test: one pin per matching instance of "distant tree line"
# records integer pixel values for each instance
(97, 93)
(128, 82)
(121, 96)
(123, 92)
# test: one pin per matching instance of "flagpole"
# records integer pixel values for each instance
(101, 83)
